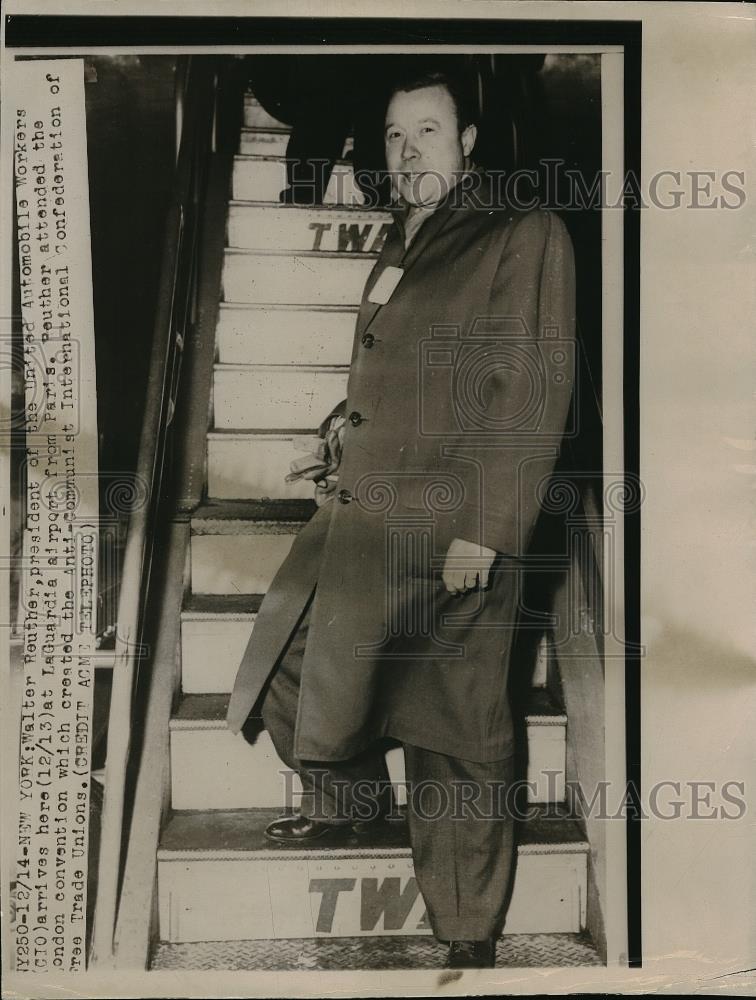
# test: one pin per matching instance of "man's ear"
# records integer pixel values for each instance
(468, 137)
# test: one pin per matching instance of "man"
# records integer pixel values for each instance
(393, 615)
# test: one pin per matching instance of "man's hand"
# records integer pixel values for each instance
(467, 566)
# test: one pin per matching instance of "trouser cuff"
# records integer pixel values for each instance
(332, 801)
(457, 927)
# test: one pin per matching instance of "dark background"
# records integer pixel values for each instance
(131, 141)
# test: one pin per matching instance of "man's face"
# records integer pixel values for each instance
(424, 149)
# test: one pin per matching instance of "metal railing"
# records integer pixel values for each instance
(199, 90)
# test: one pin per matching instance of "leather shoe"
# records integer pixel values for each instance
(471, 954)
(303, 829)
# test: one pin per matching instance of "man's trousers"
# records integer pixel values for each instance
(460, 826)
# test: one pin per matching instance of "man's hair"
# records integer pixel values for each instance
(459, 90)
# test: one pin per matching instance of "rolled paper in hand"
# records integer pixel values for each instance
(323, 457)
(310, 466)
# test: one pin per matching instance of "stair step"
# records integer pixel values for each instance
(283, 334)
(208, 607)
(215, 630)
(215, 516)
(229, 772)
(290, 227)
(255, 464)
(262, 178)
(258, 141)
(245, 564)
(303, 278)
(513, 951)
(212, 645)
(220, 879)
(236, 548)
(274, 141)
(269, 397)
(213, 769)
(255, 115)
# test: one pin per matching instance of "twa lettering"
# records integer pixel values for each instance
(349, 237)
(340, 898)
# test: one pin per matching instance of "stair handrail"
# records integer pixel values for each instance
(589, 559)
(196, 97)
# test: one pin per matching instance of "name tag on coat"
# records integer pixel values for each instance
(384, 287)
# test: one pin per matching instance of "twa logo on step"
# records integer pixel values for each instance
(350, 906)
(349, 237)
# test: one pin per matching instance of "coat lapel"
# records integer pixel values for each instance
(394, 253)
(391, 254)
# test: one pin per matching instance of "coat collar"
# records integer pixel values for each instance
(452, 200)
(474, 191)
(465, 196)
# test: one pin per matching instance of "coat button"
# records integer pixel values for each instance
(368, 340)
(355, 418)
(345, 496)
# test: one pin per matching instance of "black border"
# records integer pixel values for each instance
(144, 32)
(632, 514)
(52, 31)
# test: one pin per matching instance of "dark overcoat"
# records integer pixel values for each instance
(457, 399)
